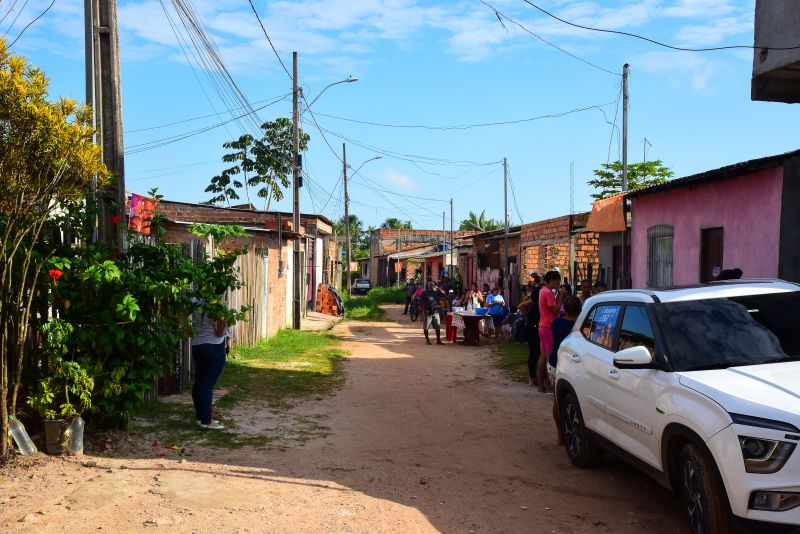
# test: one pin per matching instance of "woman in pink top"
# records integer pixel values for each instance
(549, 307)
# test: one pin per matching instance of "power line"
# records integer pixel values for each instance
(469, 126)
(282, 97)
(31, 23)
(149, 145)
(13, 22)
(500, 16)
(614, 125)
(514, 195)
(659, 43)
(268, 39)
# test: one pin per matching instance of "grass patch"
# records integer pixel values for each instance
(513, 360)
(367, 307)
(275, 374)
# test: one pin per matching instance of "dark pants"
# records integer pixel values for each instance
(208, 363)
(533, 350)
(408, 303)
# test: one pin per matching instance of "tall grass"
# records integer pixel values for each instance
(367, 307)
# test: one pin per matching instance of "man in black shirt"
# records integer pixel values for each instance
(409, 294)
(431, 306)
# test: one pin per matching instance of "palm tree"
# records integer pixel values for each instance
(480, 223)
(393, 223)
(356, 228)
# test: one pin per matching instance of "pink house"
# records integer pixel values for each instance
(742, 216)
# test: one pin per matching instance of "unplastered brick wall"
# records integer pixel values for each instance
(546, 244)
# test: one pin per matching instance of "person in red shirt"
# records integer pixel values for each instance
(549, 308)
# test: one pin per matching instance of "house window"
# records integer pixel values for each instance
(659, 255)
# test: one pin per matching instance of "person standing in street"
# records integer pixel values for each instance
(431, 307)
(586, 290)
(561, 328)
(208, 355)
(549, 308)
(529, 308)
(409, 294)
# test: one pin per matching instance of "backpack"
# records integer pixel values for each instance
(519, 330)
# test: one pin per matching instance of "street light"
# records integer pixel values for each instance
(349, 79)
(345, 166)
(297, 284)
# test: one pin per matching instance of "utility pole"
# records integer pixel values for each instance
(625, 72)
(571, 267)
(506, 281)
(346, 219)
(444, 247)
(452, 241)
(104, 94)
(296, 271)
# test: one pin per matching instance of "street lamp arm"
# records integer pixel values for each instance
(349, 79)
(359, 167)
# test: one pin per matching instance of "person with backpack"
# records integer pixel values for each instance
(431, 307)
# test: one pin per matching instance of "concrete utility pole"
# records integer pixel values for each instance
(625, 72)
(506, 281)
(297, 271)
(103, 93)
(452, 240)
(444, 246)
(346, 220)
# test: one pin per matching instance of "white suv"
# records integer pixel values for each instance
(699, 387)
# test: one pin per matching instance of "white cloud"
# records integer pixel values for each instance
(400, 180)
(698, 70)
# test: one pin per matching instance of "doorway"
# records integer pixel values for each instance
(711, 253)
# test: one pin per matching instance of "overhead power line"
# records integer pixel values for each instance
(470, 126)
(659, 43)
(190, 119)
(277, 55)
(31, 23)
(500, 16)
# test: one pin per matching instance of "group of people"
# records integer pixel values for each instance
(550, 310)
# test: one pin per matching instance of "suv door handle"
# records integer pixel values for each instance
(613, 373)
(575, 358)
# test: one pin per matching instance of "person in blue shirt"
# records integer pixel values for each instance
(497, 309)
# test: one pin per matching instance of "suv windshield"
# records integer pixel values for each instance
(729, 332)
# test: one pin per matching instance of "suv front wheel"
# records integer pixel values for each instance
(581, 451)
(704, 500)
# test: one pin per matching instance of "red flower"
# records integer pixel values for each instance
(115, 219)
(55, 274)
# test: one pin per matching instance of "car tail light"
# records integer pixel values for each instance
(774, 501)
(764, 455)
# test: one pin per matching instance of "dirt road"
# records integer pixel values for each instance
(423, 439)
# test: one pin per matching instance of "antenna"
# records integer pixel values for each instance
(572, 188)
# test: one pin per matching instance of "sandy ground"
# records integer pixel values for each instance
(422, 439)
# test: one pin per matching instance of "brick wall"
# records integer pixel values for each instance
(546, 244)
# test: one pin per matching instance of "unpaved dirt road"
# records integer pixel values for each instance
(423, 439)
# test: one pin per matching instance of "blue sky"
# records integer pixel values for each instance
(433, 64)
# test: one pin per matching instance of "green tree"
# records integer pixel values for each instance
(265, 164)
(609, 177)
(47, 160)
(393, 223)
(479, 223)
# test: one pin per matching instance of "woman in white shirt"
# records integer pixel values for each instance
(208, 355)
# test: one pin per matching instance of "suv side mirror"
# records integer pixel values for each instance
(633, 358)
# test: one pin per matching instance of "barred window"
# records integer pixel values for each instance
(659, 255)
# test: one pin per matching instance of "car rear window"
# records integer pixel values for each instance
(729, 332)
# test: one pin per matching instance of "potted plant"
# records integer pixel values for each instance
(65, 392)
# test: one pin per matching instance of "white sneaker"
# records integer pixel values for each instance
(214, 425)
(212, 421)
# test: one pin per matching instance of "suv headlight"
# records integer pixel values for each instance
(764, 455)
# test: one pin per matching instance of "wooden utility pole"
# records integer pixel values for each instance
(296, 270)
(625, 71)
(103, 93)
(450, 269)
(506, 280)
(347, 220)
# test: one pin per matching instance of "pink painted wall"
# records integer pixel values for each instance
(748, 208)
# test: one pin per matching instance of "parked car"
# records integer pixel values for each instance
(361, 285)
(700, 388)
